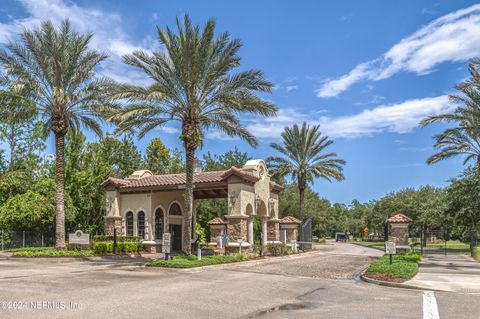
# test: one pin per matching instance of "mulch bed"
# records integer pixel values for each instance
(383, 277)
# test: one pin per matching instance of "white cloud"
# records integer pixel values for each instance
(399, 118)
(291, 88)
(450, 38)
(109, 33)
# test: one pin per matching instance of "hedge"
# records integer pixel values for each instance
(106, 247)
(120, 239)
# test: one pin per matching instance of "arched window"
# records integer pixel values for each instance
(129, 218)
(141, 224)
(175, 210)
(158, 223)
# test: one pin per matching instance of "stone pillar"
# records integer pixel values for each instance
(250, 230)
(237, 228)
(273, 230)
(264, 231)
(399, 230)
(111, 222)
(218, 227)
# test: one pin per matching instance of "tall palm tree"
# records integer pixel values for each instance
(464, 138)
(194, 84)
(304, 159)
(58, 66)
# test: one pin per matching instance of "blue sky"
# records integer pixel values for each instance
(366, 71)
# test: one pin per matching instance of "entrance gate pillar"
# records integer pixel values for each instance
(250, 230)
(264, 231)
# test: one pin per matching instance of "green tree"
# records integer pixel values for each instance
(303, 158)
(194, 84)
(225, 161)
(157, 157)
(17, 124)
(59, 68)
(464, 203)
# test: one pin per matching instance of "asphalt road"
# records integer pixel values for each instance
(314, 285)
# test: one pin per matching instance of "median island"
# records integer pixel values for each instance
(403, 267)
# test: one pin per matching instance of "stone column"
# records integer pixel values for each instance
(237, 228)
(264, 231)
(111, 222)
(399, 231)
(250, 230)
(273, 230)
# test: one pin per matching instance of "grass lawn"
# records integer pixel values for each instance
(50, 252)
(404, 267)
(191, 261)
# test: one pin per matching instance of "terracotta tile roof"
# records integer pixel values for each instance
(276, 187)
(179, 179)
(399, 218)
(217, 221)
(290, 220)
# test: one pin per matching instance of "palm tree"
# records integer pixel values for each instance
(194, 84)
(59, 68)
(464, 138)
(303, 158)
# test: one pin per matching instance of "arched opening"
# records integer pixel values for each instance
(175, 210)
(141, 224)
(175, 226)
(129, 223)
(258, 221)
(158, 223)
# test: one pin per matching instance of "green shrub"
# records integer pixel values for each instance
(120, 239)
(191, 261)
(52, 252)
(123, 247)
(277, 249)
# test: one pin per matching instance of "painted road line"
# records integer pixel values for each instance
(430, 309)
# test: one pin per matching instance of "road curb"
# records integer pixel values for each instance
(396, 284)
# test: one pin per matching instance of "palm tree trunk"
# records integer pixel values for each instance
(12, 149)
(60, 190)
(302, 200)
(187, 217)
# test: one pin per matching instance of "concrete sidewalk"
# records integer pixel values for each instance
(453, 272)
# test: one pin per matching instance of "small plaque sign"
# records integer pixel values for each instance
(79, 238)
(390, 247)
(166, 243)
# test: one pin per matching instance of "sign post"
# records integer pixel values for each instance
(390, 248)
(166, 244)
(240, 242)
(79, 238)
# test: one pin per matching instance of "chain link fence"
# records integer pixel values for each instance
(11, 239)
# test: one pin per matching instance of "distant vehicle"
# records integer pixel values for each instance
(314, 238)
(341, 237)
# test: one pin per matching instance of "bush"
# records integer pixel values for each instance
(277, 249)
(404, 266)
(103, 247)
(191, 261)
(120, 239)
(50, 252)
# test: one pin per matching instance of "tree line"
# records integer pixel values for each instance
(50, 85)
